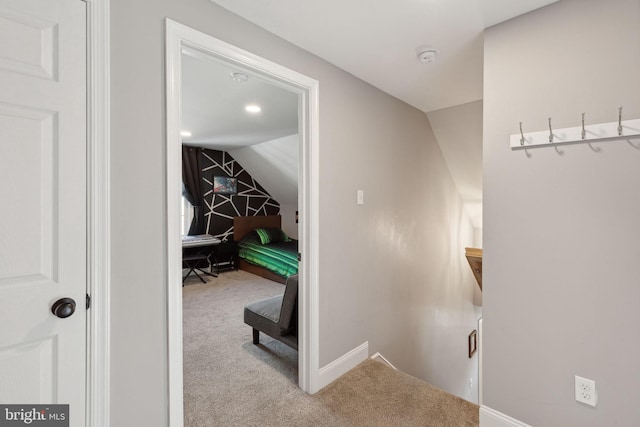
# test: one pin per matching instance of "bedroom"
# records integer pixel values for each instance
(240, 143)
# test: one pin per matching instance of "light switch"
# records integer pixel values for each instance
(360, 197)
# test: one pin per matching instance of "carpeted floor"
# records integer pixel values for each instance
(228, 381)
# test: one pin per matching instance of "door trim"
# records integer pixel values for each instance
(98, 213)
(177, 37)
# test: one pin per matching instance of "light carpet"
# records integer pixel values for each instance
(228, 381)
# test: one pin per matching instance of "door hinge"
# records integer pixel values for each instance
(299, 256)
(88, 301)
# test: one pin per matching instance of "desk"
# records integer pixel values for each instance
(192, 260)
(225, 256)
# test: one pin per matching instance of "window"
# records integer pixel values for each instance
(186, 214)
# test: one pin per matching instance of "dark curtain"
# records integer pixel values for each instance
(192, 186)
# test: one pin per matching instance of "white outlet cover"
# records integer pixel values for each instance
(585, 391)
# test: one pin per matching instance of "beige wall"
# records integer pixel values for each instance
(392, 271)
(561, 228)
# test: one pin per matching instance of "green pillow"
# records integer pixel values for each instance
(271, 235)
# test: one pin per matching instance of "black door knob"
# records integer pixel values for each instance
(64, 307)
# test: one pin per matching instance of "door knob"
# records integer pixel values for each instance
(64, 307)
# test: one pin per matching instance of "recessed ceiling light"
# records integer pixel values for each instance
(185, 133)
(252, 108)
(239, 77)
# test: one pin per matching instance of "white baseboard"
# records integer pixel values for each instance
(492, 418)
(384, 359)
(343, 364)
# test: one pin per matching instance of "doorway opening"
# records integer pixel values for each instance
(180, 39)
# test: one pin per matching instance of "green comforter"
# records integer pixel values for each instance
(280, 257)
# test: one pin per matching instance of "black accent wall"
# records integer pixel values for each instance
(251, 199)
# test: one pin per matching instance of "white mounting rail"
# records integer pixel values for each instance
(592, 133)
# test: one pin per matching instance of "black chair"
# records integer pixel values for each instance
(276, 316)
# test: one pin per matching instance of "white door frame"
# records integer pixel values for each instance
(98, 213)
(179, 36)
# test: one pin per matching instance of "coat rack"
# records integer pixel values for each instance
(590, 133)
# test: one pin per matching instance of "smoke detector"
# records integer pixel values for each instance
(239, 77)
(426, 54)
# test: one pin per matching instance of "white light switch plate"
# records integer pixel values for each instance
(360, 197)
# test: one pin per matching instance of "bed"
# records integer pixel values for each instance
(274, 261)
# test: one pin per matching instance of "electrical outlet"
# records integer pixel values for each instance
(586, 391)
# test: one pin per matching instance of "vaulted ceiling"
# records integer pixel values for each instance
(377, 41)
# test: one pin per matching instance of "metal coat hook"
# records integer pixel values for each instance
(581, 132)
(620, 121)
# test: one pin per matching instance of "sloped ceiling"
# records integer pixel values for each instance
(274, 164)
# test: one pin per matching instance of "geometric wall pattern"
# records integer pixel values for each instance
(251, 199)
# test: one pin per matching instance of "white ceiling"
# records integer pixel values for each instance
(213, 106)
(377, 40)
(265, 144)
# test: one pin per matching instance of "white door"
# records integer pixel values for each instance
(43, 202)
